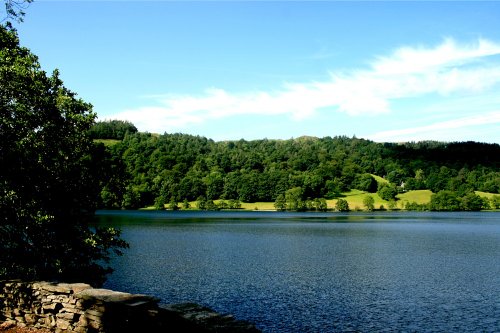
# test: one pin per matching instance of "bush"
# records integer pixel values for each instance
(342, 205)
(445, 201)
(387, 192)
(369, 202)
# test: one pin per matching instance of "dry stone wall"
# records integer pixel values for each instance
(65, 308)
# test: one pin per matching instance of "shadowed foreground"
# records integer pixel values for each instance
(79, 308)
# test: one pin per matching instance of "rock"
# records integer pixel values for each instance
(31, 318)
(63, 324)
(7, 324)
(62, 288)
(18, 313)
(110, 296)
(82, 321)
(94, 313)
(66, 316)
(70, 308)
(52, 307)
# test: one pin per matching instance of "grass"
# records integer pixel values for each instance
(486, 194)
(354, 198)
(379, 179)
(258, 206)
(419, 196)
(107, 142)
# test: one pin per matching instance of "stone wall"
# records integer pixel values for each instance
(62, 307)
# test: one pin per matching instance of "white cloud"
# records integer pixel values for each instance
(408, 60)
(408, 72)
(439, 130)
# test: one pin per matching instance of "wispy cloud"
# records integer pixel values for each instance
(408, 72)
(437, 131)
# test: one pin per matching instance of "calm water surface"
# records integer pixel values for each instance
(331, 272)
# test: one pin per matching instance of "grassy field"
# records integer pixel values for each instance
(354, 198)
(379, 179)
(258, 206)
(419, 196)
(107, 142)
(486, 195)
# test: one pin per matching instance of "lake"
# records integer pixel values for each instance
(319, 272)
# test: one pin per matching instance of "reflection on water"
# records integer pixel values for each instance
(319, 272)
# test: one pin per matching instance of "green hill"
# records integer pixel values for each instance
(151, 170)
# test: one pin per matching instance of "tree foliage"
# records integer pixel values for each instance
(188, 167)
(14, 10)
(112, 129)
(342, 205)
(51, 175)
(387, 192)
(369, 202)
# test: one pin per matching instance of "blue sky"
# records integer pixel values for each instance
(385, 71)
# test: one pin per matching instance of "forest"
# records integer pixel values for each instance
(164, 171)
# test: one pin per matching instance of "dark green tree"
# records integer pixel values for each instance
(112, 129)
(280, 203)
(387, 191)
(160, 202)
(473, 202)
(50, 182)
(173, 205)
(445, 201)
(365, 182)
(234, 204)
(201, 203)
(495, 202)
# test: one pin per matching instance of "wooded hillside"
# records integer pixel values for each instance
(150, 169)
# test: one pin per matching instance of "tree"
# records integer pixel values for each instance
(112, 129)
(495, 202)
(392, 205)
(332, 189)
(234, 204)
(445, 201)
(160, 202)
(172, 205)
(214, 184)
(211, 205)
(342, 205)
(14, 9)
(293, 199)
(131, 198)
(320, 205)
(280, 203)
(369, 202)
(387, 192)
(222, 204)
(201, 203)
(50, 181)
(473, 202)
(366, 182)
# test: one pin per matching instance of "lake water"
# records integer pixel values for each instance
(319, 272)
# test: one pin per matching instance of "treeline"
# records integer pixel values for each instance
(148, 169)
(446, 200)
(112, 129)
